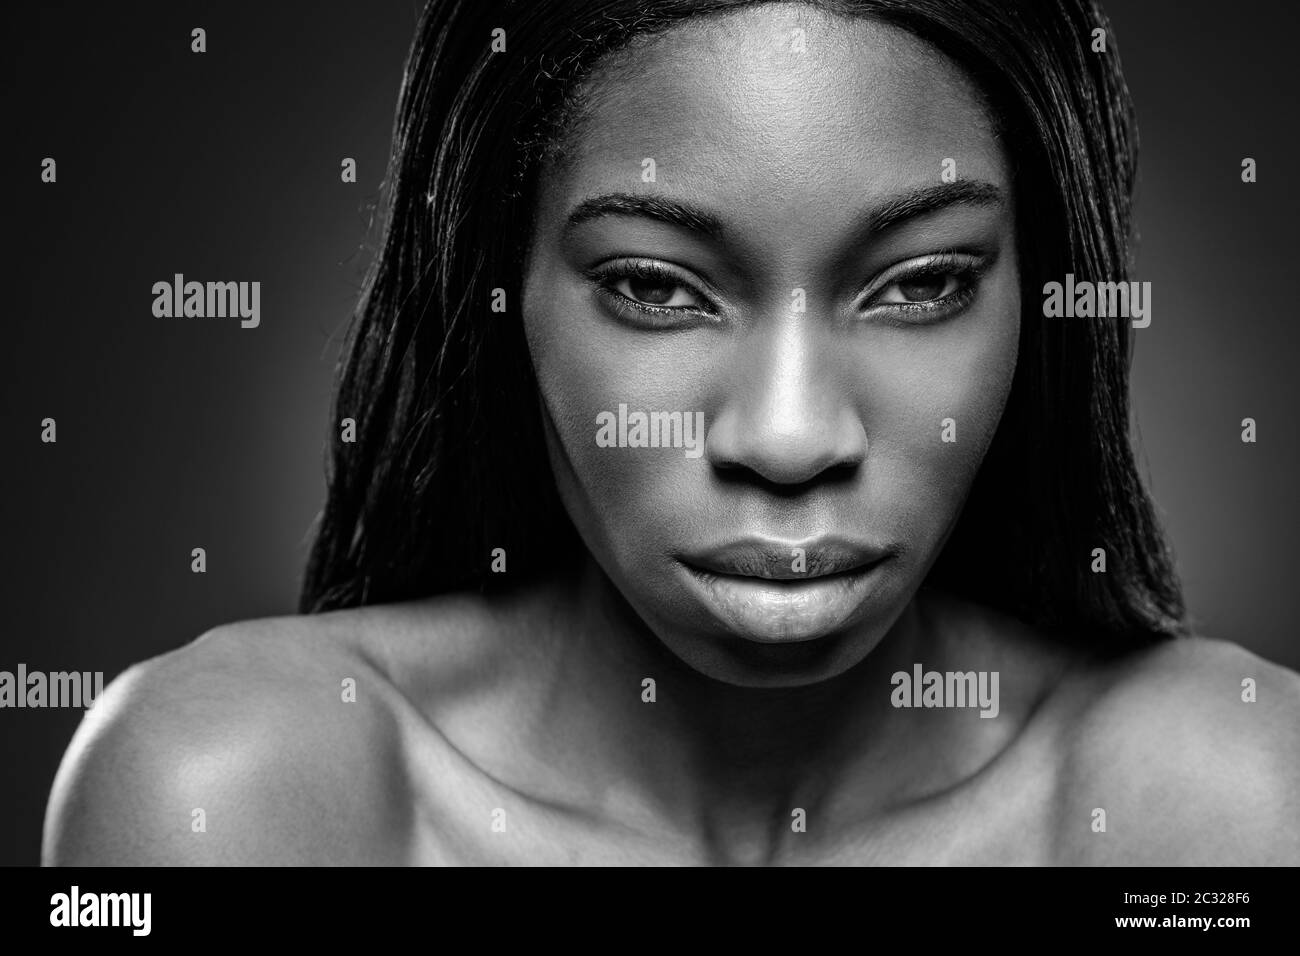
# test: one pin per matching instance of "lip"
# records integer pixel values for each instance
(752, 586)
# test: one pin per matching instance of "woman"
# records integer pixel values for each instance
(711, 486)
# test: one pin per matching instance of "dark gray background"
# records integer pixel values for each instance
(182, 433)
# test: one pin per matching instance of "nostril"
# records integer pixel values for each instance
(787, 451)
(783, 488)
(786, 464)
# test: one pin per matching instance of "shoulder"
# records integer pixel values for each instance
(1188, 752)
(244, 746)
(291, 739)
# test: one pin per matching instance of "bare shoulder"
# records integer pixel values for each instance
(282, 740)
(1187, 752)
(251, 744)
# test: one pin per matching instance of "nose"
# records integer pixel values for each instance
(787, 416)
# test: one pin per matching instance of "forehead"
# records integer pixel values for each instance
(774, 108)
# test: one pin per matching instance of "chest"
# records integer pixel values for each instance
(471, 820)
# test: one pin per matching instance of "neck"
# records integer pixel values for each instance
(704, 750)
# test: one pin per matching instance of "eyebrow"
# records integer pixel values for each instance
(890, 212)
(657, 208)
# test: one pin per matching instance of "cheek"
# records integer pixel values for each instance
(587, 366)
(934, 406)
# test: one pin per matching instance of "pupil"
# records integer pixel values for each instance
(651, 291)
(922, 289)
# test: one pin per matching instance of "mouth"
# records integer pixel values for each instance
(776, 592)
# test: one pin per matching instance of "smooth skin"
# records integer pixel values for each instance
(530, 710)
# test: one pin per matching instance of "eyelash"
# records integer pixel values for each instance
(966, 269)
(607, 276)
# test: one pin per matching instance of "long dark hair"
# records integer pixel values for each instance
(448, 461)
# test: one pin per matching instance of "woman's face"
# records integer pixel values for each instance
(814, 284)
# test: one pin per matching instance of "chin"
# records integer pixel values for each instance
(762, 632)
(744, 662)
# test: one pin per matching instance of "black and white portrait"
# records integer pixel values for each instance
(655, 432)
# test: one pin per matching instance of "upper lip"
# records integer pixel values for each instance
(776, 560)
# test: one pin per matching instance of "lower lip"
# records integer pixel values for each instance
(784, 612)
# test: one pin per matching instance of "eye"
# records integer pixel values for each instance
(663, 293)
(922, 288)
(650, 287)
(930, 287)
